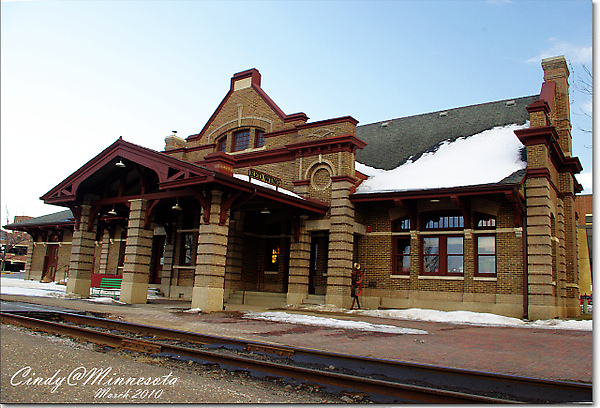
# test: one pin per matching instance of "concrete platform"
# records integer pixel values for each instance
(542, 353)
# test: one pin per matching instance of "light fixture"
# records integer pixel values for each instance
(434, 200)
(176, 207)
(265, 211)
(120, 163)
(112, 212)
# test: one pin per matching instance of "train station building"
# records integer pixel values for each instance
(470, 208)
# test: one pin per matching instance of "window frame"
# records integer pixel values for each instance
(398, 258)
(477, 256)
(235, 146)
(259, 138)
(442, 254)
(222, 144)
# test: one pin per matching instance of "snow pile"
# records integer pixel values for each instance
(329, 322)
(483, 319)
(484, 158)
(106, 301)
(11, 286)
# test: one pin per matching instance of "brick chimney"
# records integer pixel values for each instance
(556, 71)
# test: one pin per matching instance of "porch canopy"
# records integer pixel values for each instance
(125, 171)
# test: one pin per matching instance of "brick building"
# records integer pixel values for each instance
(263, 201)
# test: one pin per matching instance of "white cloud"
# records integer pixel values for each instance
(573, 53)
(586, 180)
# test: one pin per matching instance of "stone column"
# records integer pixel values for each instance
(211, 257)
(138, 250)
(299, 266)
(539, 249)
(341, 243)
(82, 256)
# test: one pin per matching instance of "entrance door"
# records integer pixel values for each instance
(50, 263)
(158, 250)
(319, 254)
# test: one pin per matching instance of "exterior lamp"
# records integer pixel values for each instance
(112, 212)
(176, 207)
(120, 163)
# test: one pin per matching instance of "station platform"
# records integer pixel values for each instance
(533, 352)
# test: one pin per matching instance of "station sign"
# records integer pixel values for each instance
(266, 178)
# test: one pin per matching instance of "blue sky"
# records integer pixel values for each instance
(76, 75)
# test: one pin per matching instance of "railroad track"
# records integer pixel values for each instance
(383, 380)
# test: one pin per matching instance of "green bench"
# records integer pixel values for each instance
(110, 285)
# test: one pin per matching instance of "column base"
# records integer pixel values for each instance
(295, 299)
(79, 286)
(207, 299)
(134, 292)
(339, 301)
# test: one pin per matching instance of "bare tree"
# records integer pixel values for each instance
(9, 241)
(584, 84)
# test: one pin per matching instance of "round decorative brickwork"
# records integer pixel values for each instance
(321, 178)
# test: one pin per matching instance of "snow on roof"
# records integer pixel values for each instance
(484, 158)
(267, 185)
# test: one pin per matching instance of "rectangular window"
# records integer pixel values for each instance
(241, 140)
(431, 255)
(187, 249)
(443, 255)
(486, 255)
(402, 256)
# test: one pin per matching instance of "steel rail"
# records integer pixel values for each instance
(403, 391)
(281, 350)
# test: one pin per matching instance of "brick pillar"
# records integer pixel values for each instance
(29, 259)
(299, 265)
(82, 256)
(138, 249)
(210, 261)
(341, 243)
(539, 249)
(571, 258)
(561, 263)
(235, 246)
(105, 250)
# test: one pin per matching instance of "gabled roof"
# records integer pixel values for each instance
(167, 168)
(391, 143)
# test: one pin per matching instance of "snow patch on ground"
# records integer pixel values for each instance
(284, 317)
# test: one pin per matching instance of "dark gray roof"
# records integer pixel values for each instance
(391, 143)
(62, 217)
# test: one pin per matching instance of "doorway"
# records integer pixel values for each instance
(158, 259)
(50, 263)
(319, 256)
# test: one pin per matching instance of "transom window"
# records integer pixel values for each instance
(444, 222)
(402, 224)
(241, 140)
(486, 221)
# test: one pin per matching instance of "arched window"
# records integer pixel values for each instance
(241, 140)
